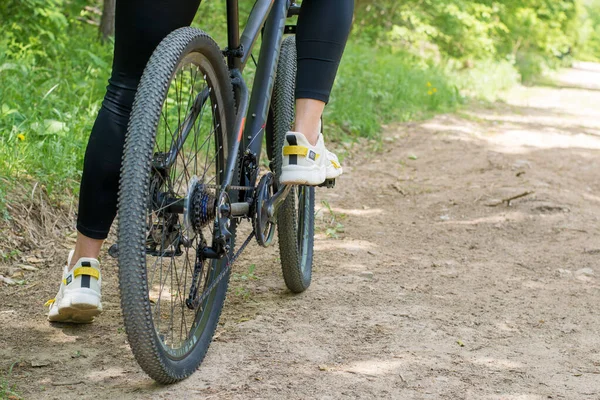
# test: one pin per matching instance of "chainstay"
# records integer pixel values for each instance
(223, 273)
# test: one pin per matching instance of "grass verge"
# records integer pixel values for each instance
(8, 391)
(49, 100)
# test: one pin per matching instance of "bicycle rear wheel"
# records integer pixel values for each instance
(296, 216)
(175, 157)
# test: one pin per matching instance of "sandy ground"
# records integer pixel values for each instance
(435, 288)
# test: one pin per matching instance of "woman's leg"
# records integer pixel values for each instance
(308, 118)
(140, 25)
(323, 29)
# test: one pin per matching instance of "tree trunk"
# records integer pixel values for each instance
(107, 22)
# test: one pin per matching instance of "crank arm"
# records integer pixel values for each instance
(278, 198)
(276, 201)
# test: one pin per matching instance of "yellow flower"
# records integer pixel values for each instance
(20, 136)
(430, 93)
(428, 84)
(434, 90)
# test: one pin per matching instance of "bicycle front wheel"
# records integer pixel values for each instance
(296, 216)
(174, 161)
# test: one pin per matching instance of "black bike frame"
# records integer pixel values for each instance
(268, 16)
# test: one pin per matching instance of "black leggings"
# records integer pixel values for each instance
(140, 25)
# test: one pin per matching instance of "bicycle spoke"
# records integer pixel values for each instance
(180, 177)
(171, 301)
(189, 134)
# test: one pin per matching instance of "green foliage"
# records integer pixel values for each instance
(375, 86)
(406, 59)
(589, 31)
(485, 79)
(333, 226)
(53, 72)
(247, 276)
(531, 34)
(239, 287)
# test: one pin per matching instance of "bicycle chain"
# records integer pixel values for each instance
(220, 277)
(218, 187)
(190, 302)
(230, 262)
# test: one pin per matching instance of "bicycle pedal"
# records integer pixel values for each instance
(329, 183)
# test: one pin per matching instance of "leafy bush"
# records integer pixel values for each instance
(376, 86)
(589, 31)
(406, 59)
(530, 33)
(485, 79)
(53, 72)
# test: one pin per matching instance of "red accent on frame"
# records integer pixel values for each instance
(241, 129)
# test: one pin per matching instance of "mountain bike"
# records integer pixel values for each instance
(191, 174)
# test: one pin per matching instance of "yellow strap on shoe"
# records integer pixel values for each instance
(335, 164)
(49, 302)
(297, 151)
(86, 271)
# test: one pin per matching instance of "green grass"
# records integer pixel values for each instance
(48, 102)
(374, 87)
(8, 390)
(485, 80)
(50, 95)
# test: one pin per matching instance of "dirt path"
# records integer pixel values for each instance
(435, 289)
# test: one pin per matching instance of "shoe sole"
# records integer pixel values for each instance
(333, 173)
(298, 175)
(79, 308)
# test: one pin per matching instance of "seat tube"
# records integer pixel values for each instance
(265, 75)
(233, 33)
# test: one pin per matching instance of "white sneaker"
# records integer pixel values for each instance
(334, 168)
(305, 164)
(78, 299)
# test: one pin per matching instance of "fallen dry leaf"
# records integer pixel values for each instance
(35, 260)
(7, 280)
(18, 274)
(27, 267)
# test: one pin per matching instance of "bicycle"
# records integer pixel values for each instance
(189, 177)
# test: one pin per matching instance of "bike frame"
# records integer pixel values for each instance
(268, 16)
